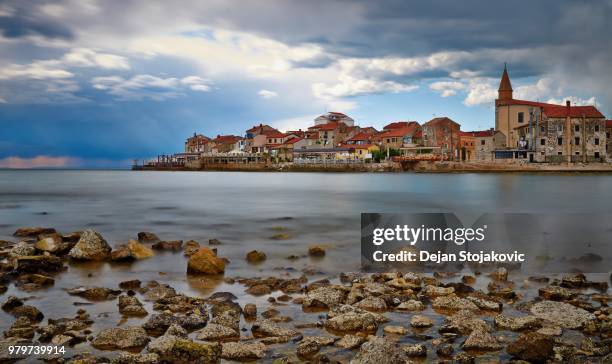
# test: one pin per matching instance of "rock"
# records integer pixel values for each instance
(159, 292)
(379, 351)
(11, 302)
(130, 306)
(29, 282)
(259, 290)
(91, 246)
(37, 264)
(351, 319)
(453, 303)
(250, 310)
(121, 338)
(550, 331)
(51, 244)
(372, 303)
(577, 280)
(395, 330)
(174, 245)
(434, 291)
(266, 328)
(516, 323)
(179, 350)
(21, 328)
(562, 314)
(124, 358)
(176, 330)
(22, 249)
(30, 232)
(415, 350)
(95, 293)
(214, 242)
(411, 305)
(463, 322)
(191, 247)
(255, 256)
(243, 351)
(481, 340)
(325, 297)
(311, 345)
(131, 284)
(316, 251)
(502, 289)
(532, 347)
(464, 358)
(420, 321)
(121, 253)
(31, 312)
(468, 279)
(147, 237)
(485, 303)
(280, 236)
(157, 324)
(216, 332)
(204, 261)
(139, 251)
(445, 350)
(350, 342)
(556, 293)
(501, 274)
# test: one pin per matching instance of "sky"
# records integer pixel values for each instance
(99, 83)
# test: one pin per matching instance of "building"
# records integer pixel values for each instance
(467, 141)
(609, 139)
(196, 144)
(543, 132)
(334, 117)
(400, 134)
(331, 134)
(284, 152)
(480, 145)
(443, 133)
(224, 143)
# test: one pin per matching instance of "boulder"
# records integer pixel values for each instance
(37, 264)
(139, 251)
(562, 314)
(130, 306)
(420, 321)
(31, 312)
(311, 345)
(255, 256)
(351, 319)
(173, 245)
(453, 303)
(481, 340)
(147, 237)
(52, 243)
(556, 293)
(463, 322)
(30, 232)
(121, 338)
(204, 261)
(178, 350)
(242, 351)
(532, 347)
(516, 323)
(372, 303)
(91, 246)
(325, 297)
(266, 328)
(379, 351)
(217, 332)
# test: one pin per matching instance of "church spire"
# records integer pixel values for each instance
(505, 88)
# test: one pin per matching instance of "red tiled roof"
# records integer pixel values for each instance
(369, 130)
(292, 140)
(222, 139)
(608, 123)
(477, 134)
(399, 124)
(329, 126)
(400, 132)
(557, 111)
(273, 134)
(360, 137)
(440, 120)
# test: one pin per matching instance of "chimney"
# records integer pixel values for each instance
(567, 107)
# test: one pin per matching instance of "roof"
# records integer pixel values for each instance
(292, 140)
(411, 129)
(557, 111)
(221, 139)
(259, 127)
(439, 120)
(329, 126)
(504, 84)
(477, 134)
(361, 136)
(399, 124)
(357, 146)
(608, 123)
(273, 134)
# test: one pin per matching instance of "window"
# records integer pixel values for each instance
(560, 127)
(521, 117)
(596, 154)
(596, 127)
(482, 142)
(577, 141)
(542, 129)
(577, 153)
(596, 141)
(559, 141)
(576, 127)
(559, 153)
(542, 141)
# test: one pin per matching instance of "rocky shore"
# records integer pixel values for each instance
(353, 318)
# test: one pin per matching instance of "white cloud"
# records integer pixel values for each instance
(447, 88)
(2, 101)
(84, 57)
(578, 101)
(34, 70)
(480, 91)
(140, 87)
(267, 94)
(295, 123)
(351, 86)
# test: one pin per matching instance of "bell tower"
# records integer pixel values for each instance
(505, 88)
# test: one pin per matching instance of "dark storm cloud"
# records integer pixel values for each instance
(24, 21)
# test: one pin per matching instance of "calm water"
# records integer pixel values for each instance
(243, 210)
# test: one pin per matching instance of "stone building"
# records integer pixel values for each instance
(443, 133)
(334, 117)
(480, 145)
(196, 144)
(609, 139)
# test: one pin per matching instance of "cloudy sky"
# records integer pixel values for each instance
(93, 83)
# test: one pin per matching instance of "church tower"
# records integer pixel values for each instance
(505, 88)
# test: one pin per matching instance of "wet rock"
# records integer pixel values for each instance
(191, 247)
(7, 356)
(31, 312)
(204, 261)
(176, 330)
(501, 274)
(147, 237)
(173, 245)
(562, 314)
(130, 306)
(30, 232)
(464, 358)
(214, 242)
(445, 350)
(11, 302)
(453, 303)
(179, 350)
(325, 297)
(468, 279)
(37, 264)
(241, 351)
(280, 236)
(538, 279)
(463, 322)
(95, 293)
(481, 340)
(577, 280)
(311, 345)
(121, 253)
(415, 350)
(250, 310)
(157, 324)
(411, 305)
(121, 338)
(132, 251)
(255, 256)
(434, 291)
(316, 251)
(266, 328)
(395, 330)
(379, 351)
(159, 292)
(372, 303)
(124, 358)
(22, 249)
(348, 318)
(216, 332)
(556, 293)
(91, 246)
(350, 341)
(420, 321)
(516, 323)
(131, 284)
(53, 244)
(485, 303)
(532, 347)
(550, 331)
(21, 328)
(502, 289)
(259, 290)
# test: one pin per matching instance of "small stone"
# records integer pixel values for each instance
(204, 261)
(501, 274)
(316, 251)
(445, 350)
(350, 341)
(420, 321)
(121, 338)
(11, 302)
(259, 290)
(249, 310)
(173, 245)
(30, 232)
(31, 312)
(241, 351)
(434, 291)
(453, 303)
(411, 305)
(372, 303)
(132, 284)
(255, 256)
(415, 350)
(532, 347)
(516, 323)
(91, 246)
(467, 279)
(311, 345)
(147, 237)
(191, 247)
(481, 340)
(556, 293)
(380, 351)
(395, 330)
(214, 242)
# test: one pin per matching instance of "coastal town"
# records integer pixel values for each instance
(524, 133)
